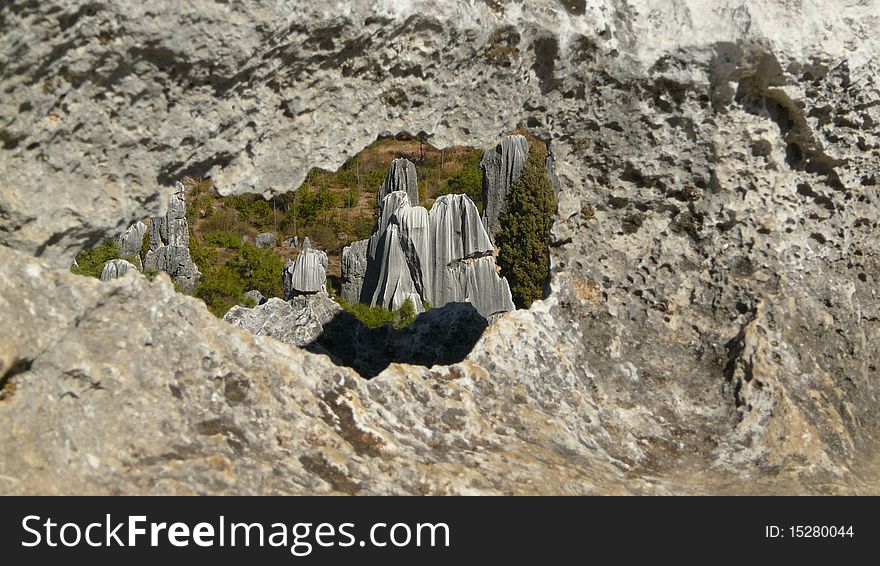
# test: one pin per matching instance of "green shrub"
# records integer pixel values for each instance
(221, 288)
(468, 181)
(91, 262)
(258, 268)
(524, 234)
(224, 239)
(374, 317)
(405, 315)
(224, 220)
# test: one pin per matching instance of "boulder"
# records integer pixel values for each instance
(116, 268)
(266, 240)
(298, 321)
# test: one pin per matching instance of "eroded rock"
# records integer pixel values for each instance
(131, 241)
(169, 243)
(306, 275)
(116, 268)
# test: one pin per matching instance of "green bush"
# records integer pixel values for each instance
(524, 233)
(374, 317)
(258, 268)
(468, 181)
(224, 239)
(91, 262)
(221, 288)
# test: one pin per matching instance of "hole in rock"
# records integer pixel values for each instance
(406, 253)
(7, 385)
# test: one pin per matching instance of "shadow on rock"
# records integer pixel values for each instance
(443, 335)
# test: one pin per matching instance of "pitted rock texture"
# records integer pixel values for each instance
(712, 313)
(502, 166)
(169, 243)
(116, 268)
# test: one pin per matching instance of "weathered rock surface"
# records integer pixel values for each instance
(354, 268)
(116, 268)
(456, 234)
(713, 312)
(306, 275)
(131, 241)
(415, 255)
(169, 243)
(502, 166)
(266, 240)
(299, 321)
(401, 177)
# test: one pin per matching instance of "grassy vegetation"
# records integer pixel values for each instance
(90, 262)
(525, 230)
(375, 317)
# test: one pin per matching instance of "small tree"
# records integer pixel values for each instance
(524, 233)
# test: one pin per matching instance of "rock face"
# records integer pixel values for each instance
(116, 268)
(441, 256)
(502, 167)
(169, 243)
(401, 177)
(712, 317)
(354, 268)
(131, 241)
(265, 240)
(299, 321)
(306, 275)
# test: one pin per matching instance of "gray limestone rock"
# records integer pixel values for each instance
(415, 240)
(478, 283)
(306, 275)
(502, 166)
(169, 243)
(394, 284)
(266, 240)
(131, 241)
(354, 268)
(298, 321)
(116, 268)
(401, 177)
(426, 256)
(456, 233)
